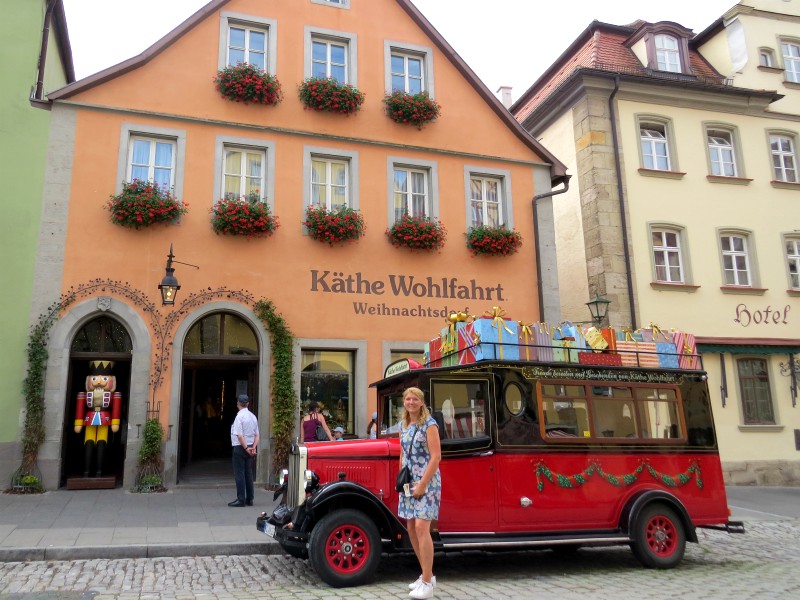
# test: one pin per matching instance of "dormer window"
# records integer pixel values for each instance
(668, 55)
(663, 48)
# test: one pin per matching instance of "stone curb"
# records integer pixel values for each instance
(139, 551)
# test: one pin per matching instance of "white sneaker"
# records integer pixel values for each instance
(422, 591)
(411, 586)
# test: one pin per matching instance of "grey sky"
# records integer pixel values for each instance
(506, 42)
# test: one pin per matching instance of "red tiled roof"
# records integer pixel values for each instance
(604, 49)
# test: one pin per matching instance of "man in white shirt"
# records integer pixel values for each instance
(244, 440)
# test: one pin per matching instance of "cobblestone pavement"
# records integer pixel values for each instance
(763, 563)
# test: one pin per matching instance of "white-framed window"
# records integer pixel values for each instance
(407, 72)
(247, 38)
(486, 199)
(668, 56)
(735, 259)
(721, 153)
(330, 182)
(331, 178)
(792, 246)
(243, 167)
(244, 172)
(247, 45)
(784, 160)
(329, 59)
(753, 375)
(330, 53)
(766, 57)
(655, 146)
(156, 154)
(667, 255)
(412, 188)
(334, 3)
(408, 67)
(411, 192)
(152, 159)
(791, 61)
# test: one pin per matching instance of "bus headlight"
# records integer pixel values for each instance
(312, 480)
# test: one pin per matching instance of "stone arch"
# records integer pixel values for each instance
(176, 367)
(58, 363)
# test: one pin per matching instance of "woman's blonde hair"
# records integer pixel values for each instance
(424, 413)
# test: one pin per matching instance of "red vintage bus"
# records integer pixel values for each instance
(534, 455)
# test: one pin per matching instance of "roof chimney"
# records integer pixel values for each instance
(505, 95)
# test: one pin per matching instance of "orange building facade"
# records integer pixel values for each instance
(352, 307)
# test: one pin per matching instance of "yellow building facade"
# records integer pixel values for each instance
(685, 209)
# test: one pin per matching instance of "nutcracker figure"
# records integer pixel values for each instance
(98, 408)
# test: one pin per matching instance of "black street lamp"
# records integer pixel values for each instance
(599, 309)
(169, 285)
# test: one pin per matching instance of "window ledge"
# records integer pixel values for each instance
(770, 69)
(673, 287)
(742, 289)
(792, 85)
(793, 292)
(660, 173)
(785, 185)
(761, 428)
(728, 179)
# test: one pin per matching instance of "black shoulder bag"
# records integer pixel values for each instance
(321, 435)
(404, 476)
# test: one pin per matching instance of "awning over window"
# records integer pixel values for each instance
(721, 345)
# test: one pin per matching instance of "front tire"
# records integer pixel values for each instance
(659, 537)
(345, 548)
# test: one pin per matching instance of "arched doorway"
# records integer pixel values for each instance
(220, 361)
(105, 340)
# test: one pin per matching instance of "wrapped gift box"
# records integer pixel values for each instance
(565, 350)
(595, 339)
(648, 356)
(687, 349)
(468, 345)
(498, 338)
(667, 355)
(610, 336)
(433, 353)
(544, 341)
(600, 358)
(527, 342)
(655, 334)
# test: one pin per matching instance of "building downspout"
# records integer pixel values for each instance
(623, 219)
(536, 199)
(48, 18)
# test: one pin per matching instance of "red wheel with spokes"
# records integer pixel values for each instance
(659, 537)
(345, 548)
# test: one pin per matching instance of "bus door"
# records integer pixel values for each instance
(468, 463)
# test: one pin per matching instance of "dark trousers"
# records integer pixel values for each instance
(243, 474)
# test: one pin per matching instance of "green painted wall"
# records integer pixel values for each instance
(23, 146)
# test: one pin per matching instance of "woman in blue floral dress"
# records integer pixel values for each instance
(421, 451)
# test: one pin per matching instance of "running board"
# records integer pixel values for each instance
(462, 542)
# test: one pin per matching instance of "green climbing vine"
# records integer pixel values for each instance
(543, 473)
(284, 405)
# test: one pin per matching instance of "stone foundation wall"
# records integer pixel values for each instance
(762, 472)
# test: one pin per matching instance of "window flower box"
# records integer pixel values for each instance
(493, 241)
(414, 109)
(143, 203)
(327, 94)
(247, 83)
(417, 233)
(342, 224)
(247, 216)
